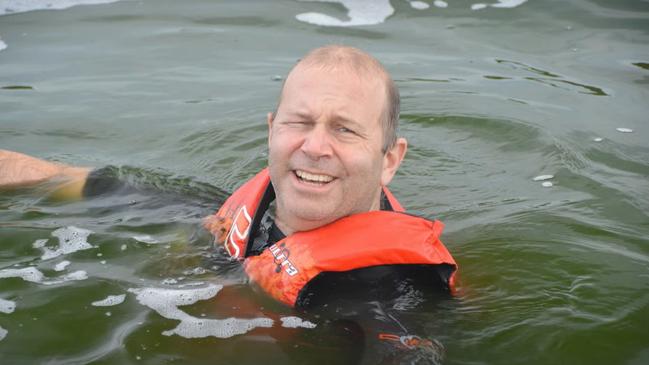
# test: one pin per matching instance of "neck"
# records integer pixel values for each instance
(289, 224)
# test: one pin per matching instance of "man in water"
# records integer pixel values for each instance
(332, 147)
(332, 142)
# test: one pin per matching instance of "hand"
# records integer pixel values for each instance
(218, 226)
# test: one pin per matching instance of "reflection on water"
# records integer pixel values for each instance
(496, 103)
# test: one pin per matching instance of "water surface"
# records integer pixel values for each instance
(177, 93)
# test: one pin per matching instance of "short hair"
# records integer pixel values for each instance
(333, 57)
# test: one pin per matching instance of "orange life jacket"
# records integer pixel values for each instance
(353, 242)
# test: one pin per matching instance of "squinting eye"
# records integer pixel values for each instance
(346, 130)
(296, 123)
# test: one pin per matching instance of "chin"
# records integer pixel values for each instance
(315, 218)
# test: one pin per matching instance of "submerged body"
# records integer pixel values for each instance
(285, 268)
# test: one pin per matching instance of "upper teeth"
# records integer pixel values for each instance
(313, 177)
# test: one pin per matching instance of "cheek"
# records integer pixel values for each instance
(281, 145)
(364, 165)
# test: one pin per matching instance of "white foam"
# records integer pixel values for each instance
(71, 239)
(196, 271)
(110, 300)
(145, 238)
(360, 12)
(419, 5)
(624, 130)
(222, 328)
(123, 248)
(166, 302)
(508, 3)
(543, 177)
(61, 265)
(3, 45)
(30, 274)
(197, 283)
(34, 275)
(598, 139)
(3, 333)
(40, 243)
(295, 322)
(75, 276)
(440, 4)
(21, 6)
(547, 184)
(500, 4)
(7, 306)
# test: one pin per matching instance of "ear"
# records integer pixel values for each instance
(392, 159)
(269, 120)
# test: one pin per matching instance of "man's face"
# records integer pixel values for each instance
(325, 144)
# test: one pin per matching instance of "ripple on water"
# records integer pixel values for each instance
(15, 87)
(643, 65)
(547, 78)
(12, 7)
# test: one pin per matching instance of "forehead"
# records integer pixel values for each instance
(360, 89)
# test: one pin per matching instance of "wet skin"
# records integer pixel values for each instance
(325, 147)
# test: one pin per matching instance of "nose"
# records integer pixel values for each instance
(317, 143)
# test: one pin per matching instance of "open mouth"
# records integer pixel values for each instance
(317, 179)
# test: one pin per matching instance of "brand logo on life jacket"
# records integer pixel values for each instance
(281, 254)
(238, 233)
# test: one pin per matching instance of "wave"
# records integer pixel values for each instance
(21, 6)
(372, 12)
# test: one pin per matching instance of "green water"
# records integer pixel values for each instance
(490, 99)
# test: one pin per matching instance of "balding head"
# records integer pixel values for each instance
(334, 58)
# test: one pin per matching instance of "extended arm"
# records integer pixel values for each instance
(19, 170)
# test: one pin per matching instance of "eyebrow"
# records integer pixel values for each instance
(338, 118)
